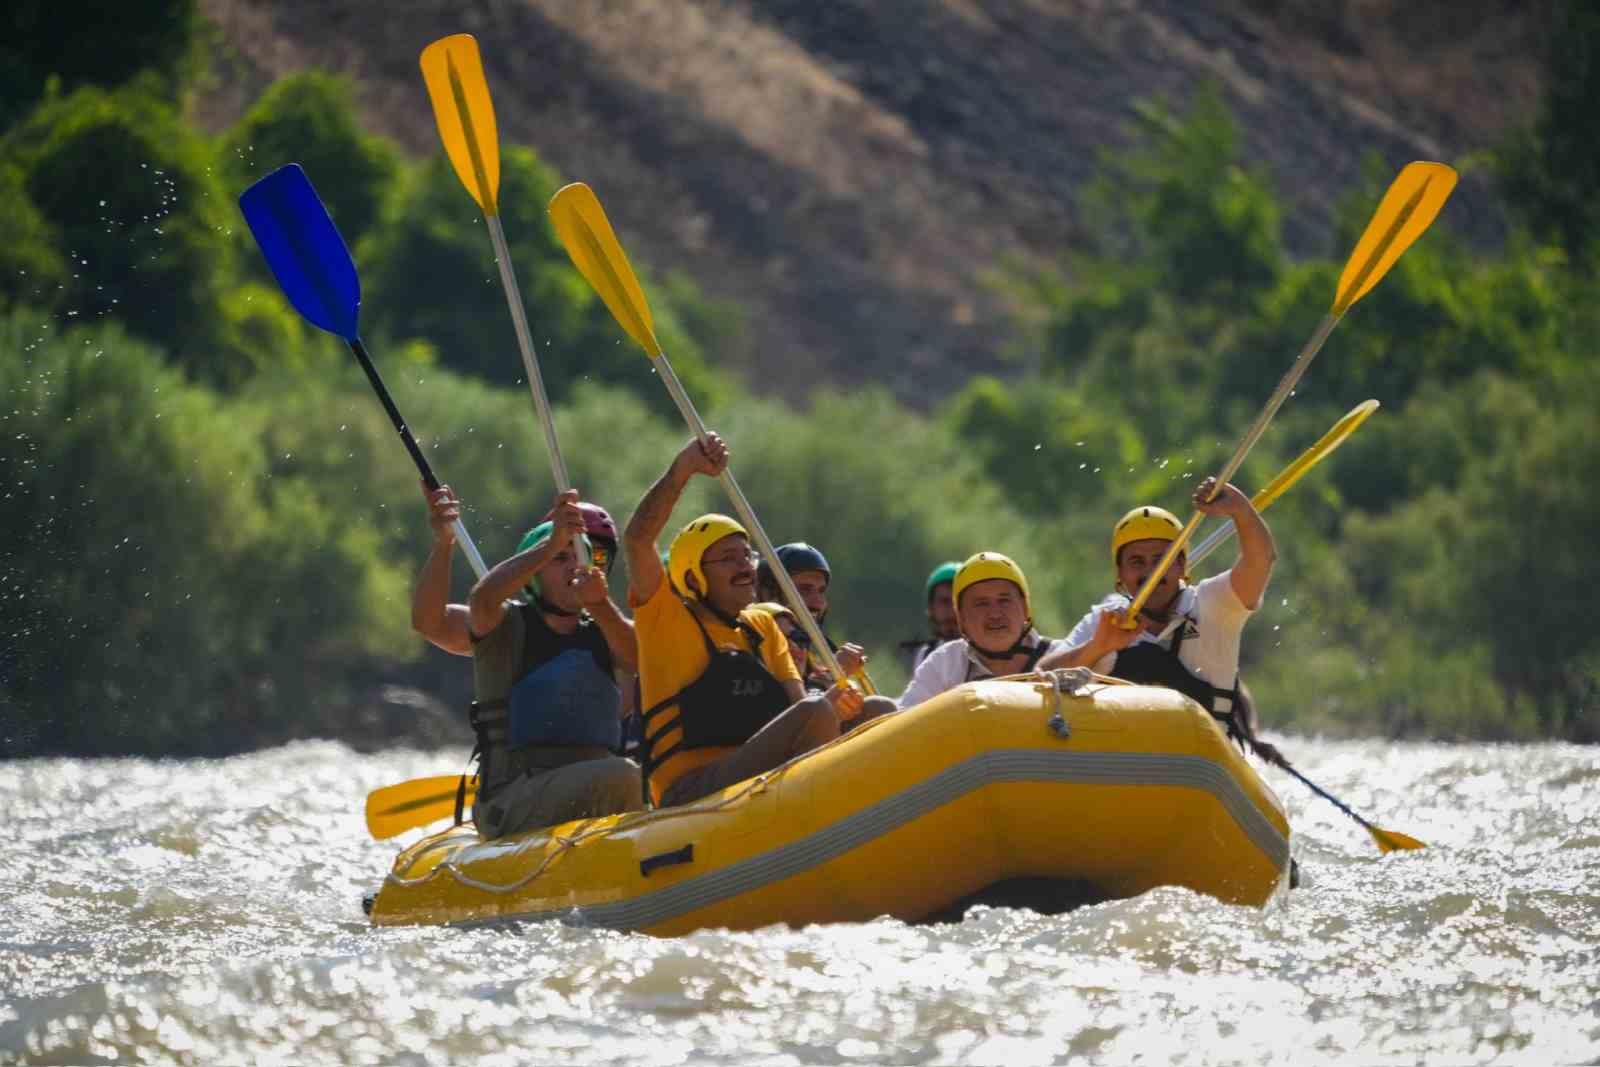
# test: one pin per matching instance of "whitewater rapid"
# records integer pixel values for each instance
(208, 911)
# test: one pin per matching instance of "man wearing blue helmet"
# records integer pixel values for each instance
(809, 571)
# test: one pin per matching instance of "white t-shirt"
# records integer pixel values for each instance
(1213, 617)
(954, 663)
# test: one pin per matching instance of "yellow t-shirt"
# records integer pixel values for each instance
(672, 655)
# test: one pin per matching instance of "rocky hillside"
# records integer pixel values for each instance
(853, 171)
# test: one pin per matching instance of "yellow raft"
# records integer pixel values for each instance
(1101, 788)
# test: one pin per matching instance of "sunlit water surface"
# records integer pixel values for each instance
(209, 912)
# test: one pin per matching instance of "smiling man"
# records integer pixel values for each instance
(995, 620)
(1188, 635)
(546, 708)
(722, 696)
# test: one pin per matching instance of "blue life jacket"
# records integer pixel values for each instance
(566, 701)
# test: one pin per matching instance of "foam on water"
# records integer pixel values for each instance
(208, 911)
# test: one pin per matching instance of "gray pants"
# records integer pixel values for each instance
(545, 797)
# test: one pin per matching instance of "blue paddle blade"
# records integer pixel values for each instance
(304, 249)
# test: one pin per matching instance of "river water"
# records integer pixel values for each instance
(209, 912)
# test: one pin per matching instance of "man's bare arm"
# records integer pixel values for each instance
(650, 517)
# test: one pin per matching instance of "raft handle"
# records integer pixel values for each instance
(667, 859)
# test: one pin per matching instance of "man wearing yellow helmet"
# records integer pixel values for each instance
(722, 695)
(995, 620)
(1188, 635)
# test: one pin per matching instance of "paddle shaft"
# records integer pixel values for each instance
(1329, 797)
(1274, 402)
(530, 366)
(530, 362)
(1291, 474)
(462, 537)
(747, 515)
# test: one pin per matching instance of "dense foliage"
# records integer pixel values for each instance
(210, 530)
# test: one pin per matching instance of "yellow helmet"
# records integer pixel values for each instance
(683, 557)
(981, 567)
(1143, 524)
(773, 608)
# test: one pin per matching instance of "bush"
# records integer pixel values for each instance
(161, 592)
(129, 194)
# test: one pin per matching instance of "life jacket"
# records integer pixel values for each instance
(1149, 664)
(734, 697)
(977, 670)
(563, 697)
(917, 651)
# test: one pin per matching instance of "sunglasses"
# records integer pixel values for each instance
(601, 555)
(798, 636)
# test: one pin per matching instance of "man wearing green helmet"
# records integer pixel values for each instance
(941, 614)
(1188, 635)
(723, 697)
(547, 707)
(997, 636)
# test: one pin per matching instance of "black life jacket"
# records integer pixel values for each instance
(734, 697)
(1149, 664)
(1035, 654)
(917, 649)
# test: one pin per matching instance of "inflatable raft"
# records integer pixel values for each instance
(1066, 780)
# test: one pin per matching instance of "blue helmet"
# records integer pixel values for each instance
(798, 556)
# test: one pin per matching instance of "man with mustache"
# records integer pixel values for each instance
(723, 697)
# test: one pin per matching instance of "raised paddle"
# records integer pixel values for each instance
(1406, 211)
(315, 271)
(1388, 840)
(582, 227)
(1324, 447)
(464, 113)
(394, 809)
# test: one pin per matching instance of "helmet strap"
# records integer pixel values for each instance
(730, 621)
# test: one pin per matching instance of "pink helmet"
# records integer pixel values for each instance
(597, 522)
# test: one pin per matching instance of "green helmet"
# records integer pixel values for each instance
(944, 572)
(535, 537)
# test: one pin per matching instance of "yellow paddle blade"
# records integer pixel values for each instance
(1407, 209)
(394, 809)
(1315, 454)
(1391, 840)
(453, 72)
(581, 226)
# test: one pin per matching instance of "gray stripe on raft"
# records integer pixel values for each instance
(1005, 765)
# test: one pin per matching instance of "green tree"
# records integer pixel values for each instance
(309, 119)
(161, 592)
(33, 270)
(92, 44)
(1550, 171)
(130, 194)
(429, 273)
